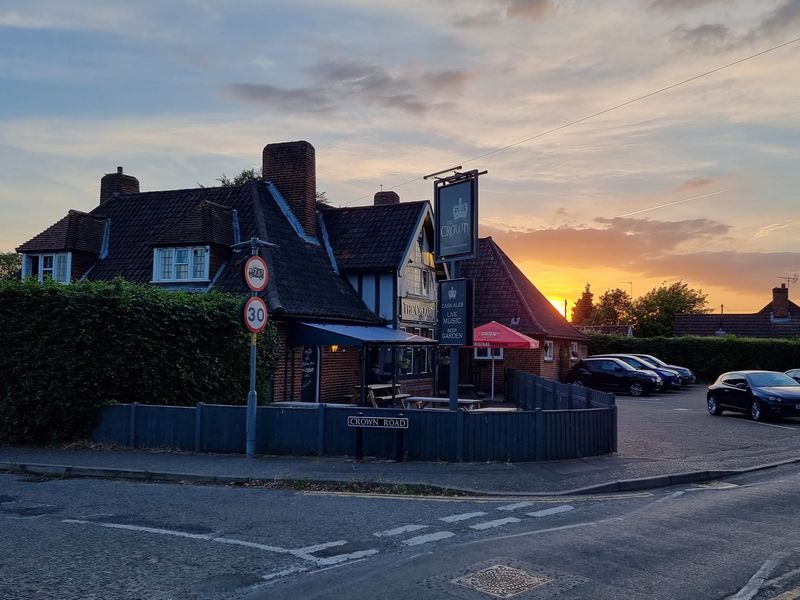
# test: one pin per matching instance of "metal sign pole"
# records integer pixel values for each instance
(252, 395)
(454, 354)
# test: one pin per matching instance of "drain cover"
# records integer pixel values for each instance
(503, 577)
(502, 581)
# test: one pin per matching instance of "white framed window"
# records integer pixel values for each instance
(56, 266)
(548, 350)
(573, 351)
(180, 264)
(487, 353)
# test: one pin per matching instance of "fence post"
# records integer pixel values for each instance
(132, 431)
(569, 397)
(460, 435)
(614, 429)
(321, 430)
(198, 426)
(539, 429)
(588, 397)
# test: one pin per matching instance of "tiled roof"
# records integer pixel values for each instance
(372, 237)
(760, 324)
(206, 223)
(78, 231)
(503, 293)
(302, 281)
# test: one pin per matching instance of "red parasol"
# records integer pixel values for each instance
(495, 335)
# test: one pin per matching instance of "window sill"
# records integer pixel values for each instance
(179, 281)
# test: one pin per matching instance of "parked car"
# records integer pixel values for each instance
(794, 374)
(687, 376)
(670, 378)
(759, 393)
(613, 375)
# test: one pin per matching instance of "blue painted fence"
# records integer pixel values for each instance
(557, 421)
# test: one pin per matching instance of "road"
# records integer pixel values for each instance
(97, 539)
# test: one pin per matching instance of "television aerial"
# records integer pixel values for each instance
(790, 279)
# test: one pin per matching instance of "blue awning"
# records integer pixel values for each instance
(322, 334)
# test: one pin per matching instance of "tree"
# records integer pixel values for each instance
(582, 309)
(613, 308)
(10, 264)
(654, 312)
(248, 174)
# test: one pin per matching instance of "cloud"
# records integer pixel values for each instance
(677, 5)
(694, 184)
(339, 83)
(708, 37)
(482, 19)
(528, 10)
(785, 17)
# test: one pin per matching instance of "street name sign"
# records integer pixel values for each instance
(378, 422)
(256, 274)
(254, 314)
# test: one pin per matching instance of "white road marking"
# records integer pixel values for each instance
(496, 523)
(302, 553)
(551, 511)
(515, 506)
(288, 571)
(431, 537)
(681, 409)
(462, 517)
(753, 586)
(318, 547)
(399, 530)
(340, 558)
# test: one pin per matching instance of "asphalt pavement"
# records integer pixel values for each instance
(664, 439)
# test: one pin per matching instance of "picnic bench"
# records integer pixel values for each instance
(429, 401)
(380, 394)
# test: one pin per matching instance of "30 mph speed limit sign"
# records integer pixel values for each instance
(255, 314)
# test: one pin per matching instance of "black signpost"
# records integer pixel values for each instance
(456, 239)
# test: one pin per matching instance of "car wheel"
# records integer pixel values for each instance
(756, 412)
(713, 407)
(636, 389)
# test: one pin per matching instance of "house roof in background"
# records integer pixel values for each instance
(503, 293)
(302, 281)
(372, 237)
(78, 231)
(205, 223)
(760, 324)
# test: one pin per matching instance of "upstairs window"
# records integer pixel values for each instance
(180, 264)
(56, 266)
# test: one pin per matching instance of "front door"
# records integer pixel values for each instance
(309, 367)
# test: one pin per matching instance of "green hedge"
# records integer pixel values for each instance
(707, 356)
(66, 351)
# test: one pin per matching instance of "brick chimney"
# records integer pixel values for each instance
(780, 302)
(117, 183)
(290, 166)
(384, 198)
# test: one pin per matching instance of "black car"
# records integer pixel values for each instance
(613, 375)
(669, 378)
(758, 393)
(687, 376)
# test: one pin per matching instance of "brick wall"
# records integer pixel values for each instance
(340, 374)
(290, 166)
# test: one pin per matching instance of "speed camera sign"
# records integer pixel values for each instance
(255, 314)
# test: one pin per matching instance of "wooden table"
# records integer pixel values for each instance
(381, 393)
(424, 401)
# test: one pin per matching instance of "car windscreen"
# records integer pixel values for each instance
(656, 361)
(770, 379)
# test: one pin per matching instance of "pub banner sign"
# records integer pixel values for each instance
(456, 312)
(456, 207)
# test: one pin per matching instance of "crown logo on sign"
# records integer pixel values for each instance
(460, 211)
(452, 293)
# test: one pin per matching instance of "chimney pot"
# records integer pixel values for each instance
(780, 302)
(290, 166)
(385, 198)
(117, 183)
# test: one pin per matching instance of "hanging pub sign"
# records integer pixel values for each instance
(456, 208)
(456, 314)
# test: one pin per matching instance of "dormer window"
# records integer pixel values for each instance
(56, 266)
(180, 264)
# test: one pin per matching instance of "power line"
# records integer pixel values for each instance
(599, 113)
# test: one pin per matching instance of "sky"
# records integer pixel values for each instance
(179, 92)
